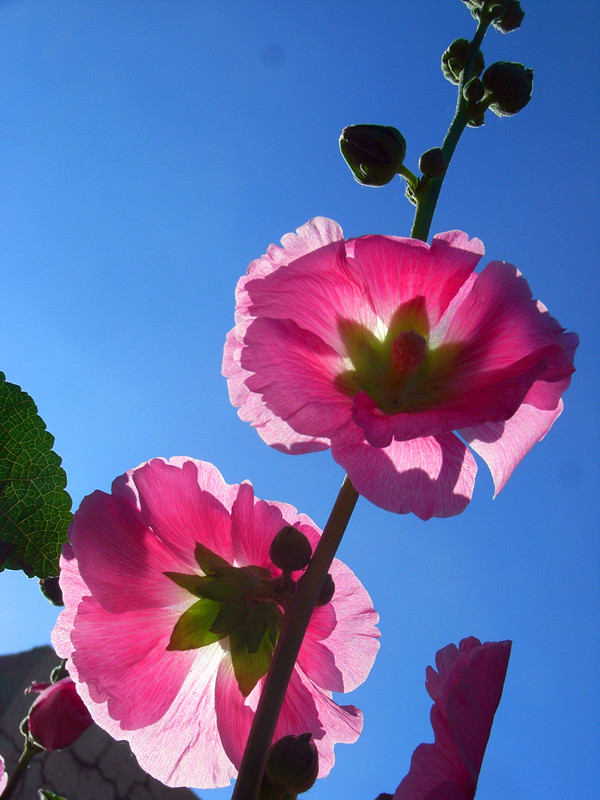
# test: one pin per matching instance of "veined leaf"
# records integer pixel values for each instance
(192, 629)
(35, 509)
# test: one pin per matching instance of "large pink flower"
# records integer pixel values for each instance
(466, 691)
(381, 348)
(138, 629)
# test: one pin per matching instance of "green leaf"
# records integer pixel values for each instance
(208, 561)
(35, 509)
(46, 794)
(233, 614)
(189, 582)
(193, 628)
(249, 667)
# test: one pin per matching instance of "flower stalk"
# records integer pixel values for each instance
(29, 751)
(428, 193)
(292, 633)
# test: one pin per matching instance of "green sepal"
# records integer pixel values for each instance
(193, 628)
(232, 614)
(46, 794)
(248, 667)
(189, 582)
(34, 506)
(209, 562)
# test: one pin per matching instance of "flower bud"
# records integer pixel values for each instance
(374, 153)
(510, 86)
(58, 716)
(432, 163)
(327, 591)
(455, 57)
(510, 17)
(474, 90)
(51, 590)
(293, 763)
(477, 121)
(290, 549)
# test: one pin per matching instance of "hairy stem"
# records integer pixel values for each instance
(428, 197)
(29, 751)
(292, 633)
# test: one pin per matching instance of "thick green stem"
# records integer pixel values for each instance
(427, 198)
(292, 633)
(29, 751)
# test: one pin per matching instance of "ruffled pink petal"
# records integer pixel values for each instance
(235, 712)
(3, 775)
(295, 371)
(73, 590)
(177, 749)
(466, 692)
(503, 444)
(398, 270)
(431, 476)
(315, 234)
(341, 641)
(120, 559)
(273, 430)
(498, 323)
(320, 275)
(123, 658)
(305, 709)
(255, 523)
(184, 501)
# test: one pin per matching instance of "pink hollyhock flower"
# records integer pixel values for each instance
(168, 589)
(382, 347)
(58, 716)
(3, 775)
(466, 691)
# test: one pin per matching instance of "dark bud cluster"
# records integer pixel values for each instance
(374, 153)
(509, 86)
(432, 163)
(293, 764)
(505, 15)
(290, 549)
(455, 57)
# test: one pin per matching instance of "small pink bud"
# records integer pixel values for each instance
(58, 716)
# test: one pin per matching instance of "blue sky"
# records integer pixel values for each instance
(149, 150)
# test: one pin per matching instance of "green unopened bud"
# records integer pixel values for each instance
(510, 86)
(510, 17)
(293, 763)
(455, 57)
(327, 591)
(432, 163)
(290, 549)
(385, 796)
(374, 153)
(477, 121)
(51, 590)
(474, 90)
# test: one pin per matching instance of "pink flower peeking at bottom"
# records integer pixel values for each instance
(169, 623)
(384, 349)
(58, 716)
(466, 691)
(3, 775)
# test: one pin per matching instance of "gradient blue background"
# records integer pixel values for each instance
(149, 150)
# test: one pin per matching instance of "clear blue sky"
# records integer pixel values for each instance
(149, 150)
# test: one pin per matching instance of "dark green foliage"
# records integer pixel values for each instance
(35, 509)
